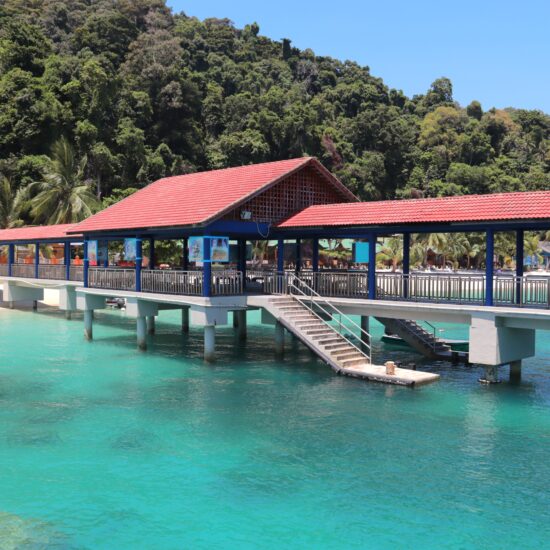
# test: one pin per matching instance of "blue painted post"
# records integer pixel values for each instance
(242, 260)
(298, 266)
(489, 267)
(106, 260)
(185, 254)
(11, 258)
(139, 258)
(280, 264)
(315, 255)
(519, 265)
(406, 263)
(151, 253)
(86, 264)
(67, 261)
(36, 259)
(207, 269)
(372, 267)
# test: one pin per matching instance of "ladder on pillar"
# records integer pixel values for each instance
(302, 313)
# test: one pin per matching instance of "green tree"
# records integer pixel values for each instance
(12, 204)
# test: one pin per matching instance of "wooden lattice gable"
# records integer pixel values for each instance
(307, 186)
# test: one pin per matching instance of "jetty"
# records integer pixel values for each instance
(294, 204)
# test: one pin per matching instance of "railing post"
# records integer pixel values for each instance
(406, 263)
(241, 247)
(207, 269)
(372, 267)
(36, 259)
(139, 258)
(86, 264)
(519, 266)
(67, 254)
(151, 253)
(11, 258)
(489, 266)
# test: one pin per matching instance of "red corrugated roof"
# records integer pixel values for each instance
(469, 208)
(194, 199)
(38, 232)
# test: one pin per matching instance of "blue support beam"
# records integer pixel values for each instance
(67, 256)
(315, 255)
(11, 258)
(281, 256)
(207, 269)
(372, 267)
(185, 254)
(241, 247)
(519, 265)
(106, 260)
(36, 259)
(86, 264)
(489, 267)
(406, 263)
(298, 266)
(151, 253)
(139, 258)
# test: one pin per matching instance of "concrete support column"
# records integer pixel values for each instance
(519, 265)
(35, 305)
(490, 374)
(279, 338)
(515, 371)
(185, 319)
(141, 326)
(209, 343)
(489, 267)
(68, 315)
(150, 324)
(372, 267)
(406, 263)
(88, 324)
(365, 340)
(241, 323)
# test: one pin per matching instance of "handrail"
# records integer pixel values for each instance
(319, 298)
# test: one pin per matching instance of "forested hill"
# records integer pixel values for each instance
(142, 93)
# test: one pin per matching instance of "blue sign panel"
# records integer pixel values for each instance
(361, 253)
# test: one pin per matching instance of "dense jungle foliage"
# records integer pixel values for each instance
(98, 97)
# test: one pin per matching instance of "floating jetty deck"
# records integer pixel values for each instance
(402, 377)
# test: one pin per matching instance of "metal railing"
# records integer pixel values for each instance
(160, 281)
(51, 271)
(22, 270)
(527, 291)
(112, 278)
(76, 273)
(4, 270)
(315, 303)
(226, 282)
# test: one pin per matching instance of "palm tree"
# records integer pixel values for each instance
(63, 196)
(12, 203)
(392, 252)
(456, 246)
(531, 247)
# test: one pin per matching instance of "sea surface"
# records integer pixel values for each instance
(103, 446)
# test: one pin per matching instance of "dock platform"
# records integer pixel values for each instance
(402, 377)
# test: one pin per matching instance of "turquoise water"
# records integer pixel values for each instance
(102, 446)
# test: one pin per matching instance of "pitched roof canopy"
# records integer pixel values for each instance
(199, 198)
(39, 232)
(468, 208)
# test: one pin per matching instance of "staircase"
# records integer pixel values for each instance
(325, 340)
(417, 337)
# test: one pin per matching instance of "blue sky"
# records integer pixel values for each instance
(497, 52)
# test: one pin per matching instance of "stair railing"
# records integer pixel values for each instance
(314, 301)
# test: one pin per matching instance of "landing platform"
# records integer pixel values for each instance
(402, 377)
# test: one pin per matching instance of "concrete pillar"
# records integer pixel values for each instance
(515, 371)
(241, 323)
(209, 343)
(88, 324)
(150, 324)
(365, 340)
(68, 315)
(279, 338)
(185, 319)
(490, 374)
(235, 319)
(35, 305)
(141, 326)
(11, 304)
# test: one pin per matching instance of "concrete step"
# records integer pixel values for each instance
(331, 340)
(318, 331)
(350, 354)
(354, 362)
(339, 346)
